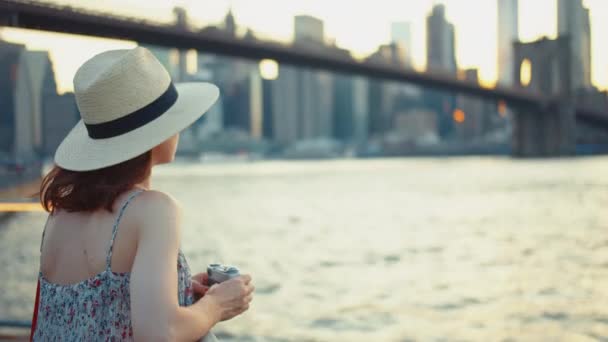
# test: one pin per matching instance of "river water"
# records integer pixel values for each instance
(459, 249)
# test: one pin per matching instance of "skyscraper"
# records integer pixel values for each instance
(35, 82)
(350, 109)
(315, 92)
(586, 48)
(508, 33)
(59, 116)
(309, 28)
(401, 35)
(360, 109)
(393, 53)
(471, 126)
(314, 87)
(573, 22)
(230, 23)
(9, 64)
(441, 59)
(380, 106)
(285, 105)
(209, 68)
(440, 42)
(343, 107)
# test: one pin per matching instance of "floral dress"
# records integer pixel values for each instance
(99, 308)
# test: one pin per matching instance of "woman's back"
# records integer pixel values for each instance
(85, 274)
(76, 244)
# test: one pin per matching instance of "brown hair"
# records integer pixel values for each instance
(92, 190)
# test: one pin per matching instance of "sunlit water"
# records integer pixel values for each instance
(387, 250)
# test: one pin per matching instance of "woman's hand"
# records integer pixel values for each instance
(232, 297)
(200, 285)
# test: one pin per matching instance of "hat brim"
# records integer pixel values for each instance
(79, 152)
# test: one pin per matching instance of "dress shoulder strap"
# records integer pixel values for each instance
(46, 223)
(116, 223)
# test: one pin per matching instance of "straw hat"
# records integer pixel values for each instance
(128, 105)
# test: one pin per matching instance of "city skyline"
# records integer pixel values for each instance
(475, 47)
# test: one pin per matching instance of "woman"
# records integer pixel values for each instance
(111, 268)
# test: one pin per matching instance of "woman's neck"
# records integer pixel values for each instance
(145, 184)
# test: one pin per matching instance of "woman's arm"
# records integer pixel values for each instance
(156, 314)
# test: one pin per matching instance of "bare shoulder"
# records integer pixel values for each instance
(151, 201)
(158, 210)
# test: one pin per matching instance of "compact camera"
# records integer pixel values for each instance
(219, 273)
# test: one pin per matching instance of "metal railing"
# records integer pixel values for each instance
(11, 323)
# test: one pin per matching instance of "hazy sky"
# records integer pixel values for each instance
(359, 25)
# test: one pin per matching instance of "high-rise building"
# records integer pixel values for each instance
(181, 17)
(402, 36)
(381, 100)
(382, 95)
(9, 64)
(236, 101)
(470, 123)
(350, 108)
(315, 92)
(309, 28)
(298, 105)
(508, 33)
(314, 88)
(230, 23)
(325, 105)
(573, 22)
(586, 48)
(212, 122)
(392, 53)
(35, 82)
(60, 115)
(360, 109)
(440, 42)
(233, 77)
(284, 104)
(343, 108)
(441, 59)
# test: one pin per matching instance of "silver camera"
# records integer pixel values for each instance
(219, 273)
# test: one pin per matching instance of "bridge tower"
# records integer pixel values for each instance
(543, 66)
